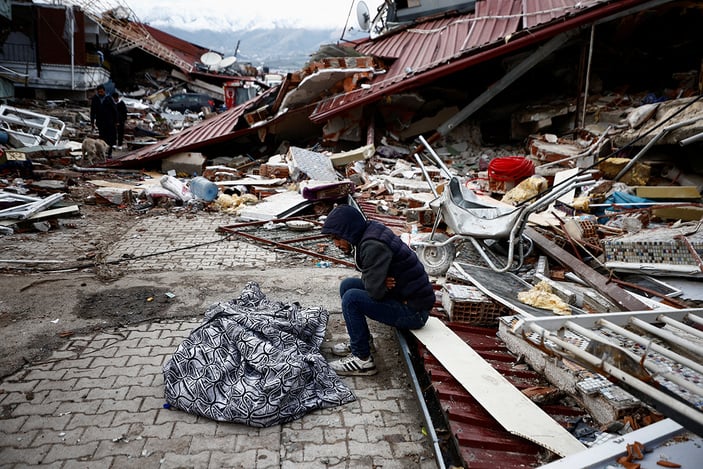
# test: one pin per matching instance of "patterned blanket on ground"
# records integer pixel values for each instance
(256, 362)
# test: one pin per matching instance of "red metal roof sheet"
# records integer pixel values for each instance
(482, 442)
(187, 51)
(425, 51)
(217, 129)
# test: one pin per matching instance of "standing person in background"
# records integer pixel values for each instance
(103, 115)
(121, 118)
(394, 288)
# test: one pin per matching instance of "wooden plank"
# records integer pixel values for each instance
(53, 212)
(668, 192)
(511, 408)
(616, 294)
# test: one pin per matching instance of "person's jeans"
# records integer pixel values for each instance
(357, 305)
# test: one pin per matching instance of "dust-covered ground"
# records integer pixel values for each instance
(55, 285)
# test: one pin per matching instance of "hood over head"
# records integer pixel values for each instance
(345, 222)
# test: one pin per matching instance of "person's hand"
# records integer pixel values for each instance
(390, 283)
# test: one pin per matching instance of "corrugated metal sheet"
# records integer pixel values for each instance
(438, 47)
(480, 440)
(213, 130)
(187, 51)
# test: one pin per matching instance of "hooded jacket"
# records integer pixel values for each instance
(380, 253)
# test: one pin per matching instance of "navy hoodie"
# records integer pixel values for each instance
(380, 253)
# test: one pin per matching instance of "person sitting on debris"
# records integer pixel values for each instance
(394, 288)
(121, 118)
(103, 114)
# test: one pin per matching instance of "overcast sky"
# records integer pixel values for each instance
(219, 14)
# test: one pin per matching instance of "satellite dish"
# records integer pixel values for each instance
(226, 62)
(363, 16)
(210, 59)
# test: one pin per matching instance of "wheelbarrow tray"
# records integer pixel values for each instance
(481, 217)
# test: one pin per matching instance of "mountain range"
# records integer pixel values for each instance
(281, 49)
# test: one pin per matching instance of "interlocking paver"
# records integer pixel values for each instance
(98, 401)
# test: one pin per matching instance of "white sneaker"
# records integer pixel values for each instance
(343, 349)
(354, 366)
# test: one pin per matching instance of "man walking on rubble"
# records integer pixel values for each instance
(121, 118)
(394, 288)
(103, 114)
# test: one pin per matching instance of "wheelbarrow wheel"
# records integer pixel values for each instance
(437, 258)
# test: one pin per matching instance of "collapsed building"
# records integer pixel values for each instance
(600, 88)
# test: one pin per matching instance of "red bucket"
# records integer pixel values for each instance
(506, 172)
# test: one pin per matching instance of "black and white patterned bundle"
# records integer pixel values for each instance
(256, 362)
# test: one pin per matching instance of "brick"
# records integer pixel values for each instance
(28, 456)
(32, 409)
(91, 420)
(86, 383)
(12, 425)
(37, 422)
(21, 397)
(314, 435)
(52, 384)
(65, 452)
(16, 439)
(18, 386)
(110, 433)
(100, 394)
(312, 453)
(117, 406)
(83, 373)
(178, 461)
(67, 396)
(174, 415)
(388, 405)
(74, 363)
(377, 449)
(199, 429)
(44, 375)
(163, 431)
(214, 444)
(123, 446)
(72, 407)
(135, 417)
(67, 437)
(108, 363)
(243, 460)
(154, 394)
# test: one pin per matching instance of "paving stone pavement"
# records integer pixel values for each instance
(98, 401)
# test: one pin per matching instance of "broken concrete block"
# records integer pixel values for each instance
(189, 163)
(357, 154)
(311, 163)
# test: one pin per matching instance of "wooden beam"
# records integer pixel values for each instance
(510, 407)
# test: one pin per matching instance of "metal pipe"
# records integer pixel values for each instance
(656, 370)
(651, 143)
(588, 74)
(689, 140)
(436, 157)
(425, 174)
(679, 325)
(682, 410)
(668, 336)
(405, 350)
(695, 319)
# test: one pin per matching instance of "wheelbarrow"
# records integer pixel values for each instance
(481, 220)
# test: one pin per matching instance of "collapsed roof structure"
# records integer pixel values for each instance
(513, 69)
